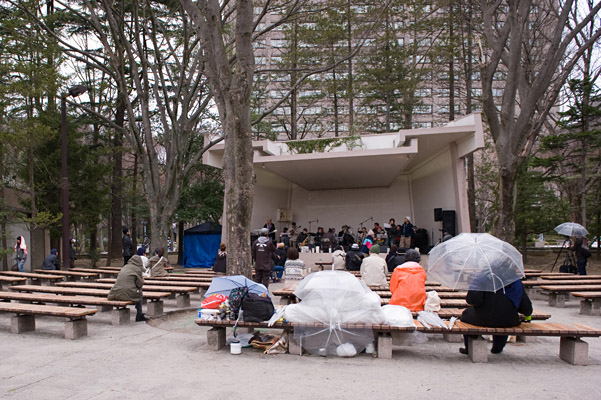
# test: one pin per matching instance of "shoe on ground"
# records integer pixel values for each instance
(496, 351)
(141, 318)
(463, 350)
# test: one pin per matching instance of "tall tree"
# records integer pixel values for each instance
(533, 44)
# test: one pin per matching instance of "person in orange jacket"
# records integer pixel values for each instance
(408, 283)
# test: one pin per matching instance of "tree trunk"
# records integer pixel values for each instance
(180, 242)
(134, 217)
(116, 226)
(504, 228)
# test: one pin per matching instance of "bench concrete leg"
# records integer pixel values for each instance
(171, 296)
(294, 346)
(590, 307)
(476, 347)
(154, 308)
(22, 323)
(573, 351)
(183, 300)
(76, 328)
(36, 282)
(284, 301)
(525, 339)
(557, 300)
(104, 308)
(120, 316)
(385, 345)
(452, 338)
(216, 338)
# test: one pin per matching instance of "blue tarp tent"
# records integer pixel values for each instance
(201, 244)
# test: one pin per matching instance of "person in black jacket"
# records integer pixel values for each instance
(128, 246)
(354, 258)
(496, 310)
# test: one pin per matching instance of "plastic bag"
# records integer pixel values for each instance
(432, 301)
(398, 316)
(430, 319)
(213, 301)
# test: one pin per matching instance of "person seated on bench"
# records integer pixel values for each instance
(408, 283)
(294, 269)
(373, 268)
(496, 310)
(128, 286)
(158, 263)
(280, 257)
(338, 257)
(354, 258)
(51, 262)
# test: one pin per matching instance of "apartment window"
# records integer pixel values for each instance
(423, 109)
(260, 60)
(423, 92)
(279, 43)
(259, 44)
(276, 59)
(275, 94)
(312, 111)
(400, 41)
(418, 125)
(443, 92)
(477, 92)
(497, 92)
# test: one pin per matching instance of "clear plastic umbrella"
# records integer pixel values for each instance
(475, 261)
(571, 229)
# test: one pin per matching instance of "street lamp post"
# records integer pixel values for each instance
(73, 91)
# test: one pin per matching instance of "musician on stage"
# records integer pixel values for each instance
(271, 229)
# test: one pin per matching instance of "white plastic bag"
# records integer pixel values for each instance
(429, 319)
(432, 301)
(398, 316)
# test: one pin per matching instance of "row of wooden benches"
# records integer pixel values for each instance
(572, 348)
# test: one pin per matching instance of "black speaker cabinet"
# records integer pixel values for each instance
(438, 214)
(449, 221)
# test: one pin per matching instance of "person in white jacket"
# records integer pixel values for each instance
(373, 268)
(338, 257)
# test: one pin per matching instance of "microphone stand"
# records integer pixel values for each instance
(369, 219)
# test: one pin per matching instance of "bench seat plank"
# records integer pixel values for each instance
(80, 291)
(32, 275)
(150, 288)
(55, 298)
(161, 282)
(588, 295)
(54, 311)
(95, 271)
(570, 277)
(12, 279)
(571, 288)
(67, 273)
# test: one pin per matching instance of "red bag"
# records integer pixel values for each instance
(213, 301)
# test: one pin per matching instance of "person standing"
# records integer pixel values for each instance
(21, 252)
(390, 231)
(368, 243)
(72, 255)
(220, 265)
(128, 246)
(581, 251)
(263, 250)
(51, 262)
(406, 233)
(270, 229)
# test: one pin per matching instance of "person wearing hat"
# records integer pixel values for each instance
(51, 262)
(408, 283)
(373, 268)
(406, 233)
(263, 250)
(368, 242)
(354, 258)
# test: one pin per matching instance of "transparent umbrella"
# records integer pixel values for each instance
(571, 229)
(475, 261)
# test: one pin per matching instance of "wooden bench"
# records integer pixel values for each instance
(442, 295)
(119, 316)
(559, 293)
(529, 275)
(181, 293)
(590, 303)
(11, 280)
(69, 274)
(533, 288)
(571, 277)
(153, 309)
(572, 349)
(103, 273)
(34, 278)
(24, 321)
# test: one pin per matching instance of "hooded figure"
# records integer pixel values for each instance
(21, 252)
(128, 286)
(373, 268)
(408, 283)
(263, 250)
(158, 262)
(51, 262)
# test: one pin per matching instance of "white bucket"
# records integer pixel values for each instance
(370, 348)
(236, 347)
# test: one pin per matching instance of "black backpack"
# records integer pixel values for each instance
(257, 308)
